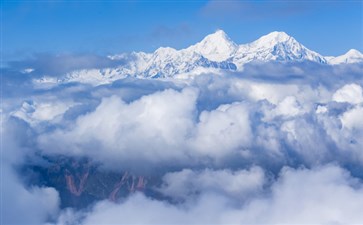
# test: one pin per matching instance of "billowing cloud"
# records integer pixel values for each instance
(33, 112)
(272, 144)
(351, 93)
(240, 184)
(112, 132)
(317, 196)
(352, 119)
(37, 204)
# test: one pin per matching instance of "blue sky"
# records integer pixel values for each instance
(106, 27)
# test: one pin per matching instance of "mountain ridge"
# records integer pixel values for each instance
(214, 53)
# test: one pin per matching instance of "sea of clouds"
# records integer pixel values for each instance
(274, 144)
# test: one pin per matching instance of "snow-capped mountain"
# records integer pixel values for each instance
(217, 47)
(275, 46)
(214, 53)
(352, 56)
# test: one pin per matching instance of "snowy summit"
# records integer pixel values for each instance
(216, 47)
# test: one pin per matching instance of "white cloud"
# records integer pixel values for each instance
(195, 138)
(223, 131)
(21, 204)
(327, 195)
(321, 109)
(164, 121)
(112, 132)
(240, 184)
(34, 112)
(353, 119)
(185, 127)
(35, 204)
(351, 93)
(273, 93)
(288, 107)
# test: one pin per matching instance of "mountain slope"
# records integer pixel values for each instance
(352, 56)
(275, 46)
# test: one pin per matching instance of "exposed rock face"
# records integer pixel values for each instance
(80, 182)
(71, 184)
(118, 185)
(129, 181)
(141, 183)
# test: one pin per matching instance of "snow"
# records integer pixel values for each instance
(217, 47)
(352, 56)
(272, 38)
(275, 46)
(214, 53)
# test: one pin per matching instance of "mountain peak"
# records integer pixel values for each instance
(216, 46)
(165, 50)
(217, 38)
(276, 46)
(275, 37)
(352, 56)
(354, 52)
(218, 35)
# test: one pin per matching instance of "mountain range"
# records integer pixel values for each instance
(216, 52)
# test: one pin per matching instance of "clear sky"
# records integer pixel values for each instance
(106, 27)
